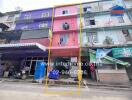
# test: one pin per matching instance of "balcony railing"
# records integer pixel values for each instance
(106, 25)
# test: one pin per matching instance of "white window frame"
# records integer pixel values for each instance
(65, 11)
(45, 15)
(43, 25)
(24, 27)
(93, 36)
(27, 16)
(89, 9)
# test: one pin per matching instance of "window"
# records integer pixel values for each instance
(65, 12)
(45, 15)
(92, 37)
(120, 19)
(63, 39)
(24, 27)
(43, 25)
(27, 16)
(126, 34)
(87, 9)
(89, 21)
(92, 22)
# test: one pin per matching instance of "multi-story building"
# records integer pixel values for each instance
(65, 35)
(8, 19)
(35, 26)
(100, 30)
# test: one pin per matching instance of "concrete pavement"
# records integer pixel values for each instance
(30, 91)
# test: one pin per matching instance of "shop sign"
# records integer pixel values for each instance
(122, 52)
(117, 11)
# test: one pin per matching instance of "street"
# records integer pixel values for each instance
(25, 91)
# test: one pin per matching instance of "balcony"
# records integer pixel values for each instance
(107, 25)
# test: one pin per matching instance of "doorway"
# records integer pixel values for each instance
(31, 62)
(86, 68)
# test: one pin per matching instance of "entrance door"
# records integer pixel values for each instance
(31, 63)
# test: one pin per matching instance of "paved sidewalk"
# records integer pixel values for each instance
(72, 83)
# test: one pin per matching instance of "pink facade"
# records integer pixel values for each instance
(72, 10)
(72, 40)
(65, 51)
(58, 23)
(65, 32)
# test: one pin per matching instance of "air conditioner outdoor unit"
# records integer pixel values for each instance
(65, 26)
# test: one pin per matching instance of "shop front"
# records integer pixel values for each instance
(20, 60)
(109, 69)
(124, 54)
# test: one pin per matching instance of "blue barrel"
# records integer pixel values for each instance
(39, 70)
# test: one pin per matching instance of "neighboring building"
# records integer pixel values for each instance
(102, 30)
(35, 26)
(9, 19)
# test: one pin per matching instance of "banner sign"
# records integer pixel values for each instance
(122, 52)
(101, 53)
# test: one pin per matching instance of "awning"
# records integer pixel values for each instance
(21, 48)
(111, 59)
(66, 51)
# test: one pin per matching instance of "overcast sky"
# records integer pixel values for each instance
(10, 5)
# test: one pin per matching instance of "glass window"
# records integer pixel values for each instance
(24, 27)
(46, 14)
(93, 37)
(65, 12)
(43, 25)
(27, 16)
(89, 21)
(87, 9)
(63, 39)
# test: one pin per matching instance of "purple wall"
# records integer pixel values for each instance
(34, 25)
(36, 17)
(36, 14)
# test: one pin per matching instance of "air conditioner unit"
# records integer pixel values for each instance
(65, 26)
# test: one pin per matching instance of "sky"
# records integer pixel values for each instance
(11, 5)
